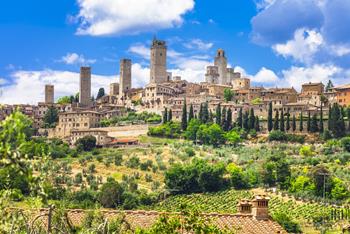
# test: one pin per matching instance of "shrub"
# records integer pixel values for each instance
(111, 193)
(190, 152)
(86, 143)
(286, 222)
(306, 151)
(170, 130)
(133, 162)
(277, 136)
(296, 138)
(345, 143)
(118, 159)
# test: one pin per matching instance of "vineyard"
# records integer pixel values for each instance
(226, 201)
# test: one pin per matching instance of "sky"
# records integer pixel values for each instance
(280, 43)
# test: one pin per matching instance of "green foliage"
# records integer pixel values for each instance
(169, 130)
(51, 117)
(199, 176)
(302, 184)
(306, 151)
(233, 137)
(339, 190)
(345, 142)
(101, 93)
(184, 119)
(210, 135)
(269, 118)
(336, 121)
(132, 117)
(133, 162)
(286, 222)
(65, 100)
(257, 101)
(192, 129)
(277, 135)
(228, 95)
(86, 143)
(237, 177)
(165, 116)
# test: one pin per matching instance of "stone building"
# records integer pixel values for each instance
(343, 95)
(114, 89)
(85, 86)
(102, 138)
(212, 75)
(312, 89)
(158, 68)
(221, 63)
(240, 83)
(125, 76)
(49, 94)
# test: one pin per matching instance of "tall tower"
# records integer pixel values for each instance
(212, 75)
(125, 76)
(158, 62)
(49, 94)
(221, 63)
(85, 86)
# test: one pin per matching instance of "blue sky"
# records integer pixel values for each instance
(274, 42)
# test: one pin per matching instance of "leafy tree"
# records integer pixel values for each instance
(184, 116)
(256, 101)
(192, 129)
(240, 118)
(294, 124)
(170, 115)
(269, 118)
(276, 121)
(76, 98)
(345, 142)
(51, 117)
(101, 93)
(218, 114)
(165, 115)
(233, 138)
(228, 95)
(86, 143)
(111, 193)
(339, 190)
(237, 177)
(314, 124)
(308, 122)
(282, 121)
(286, 222)
(191, 113)
(64, 100)
(216, 135)
(301, 124)
(322, 179)
(251, 121)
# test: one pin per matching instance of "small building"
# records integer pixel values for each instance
(343, 95)
(102, 138)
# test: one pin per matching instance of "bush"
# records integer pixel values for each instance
(306, 151)
(190, 152)
(111, 193)
(345, 143)
(86, 143)
(277, 136)
(287, 223)
(133, 162)
(296, 138)
(118, 159)
(170, 130)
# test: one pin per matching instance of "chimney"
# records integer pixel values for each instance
(244, 207)
(260, 207)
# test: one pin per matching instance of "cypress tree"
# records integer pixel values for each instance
(170, 115)
(165, 115)
(211, 117)
(184, 116)
(301, 122)
(337, 121)
(240, 118)
(191, 113)
(276, 121)
(348, 115)
(294, 124)
(314, 124)
(223, 118)
(200, 114)
(309, 121)
(246, 120)
(330, 108)
(229, 120)
(288, 121)
(205, 113)
(218, 115)
(251, 123)
(269, 118)
(257, 124)
(282, 121)
(321, 120)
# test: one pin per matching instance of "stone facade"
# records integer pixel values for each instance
(85, 86)
(49, 94)
(158, 62)
(125, 76)
(221, 63)
(114, 89)
(212, 75)
(102, 138)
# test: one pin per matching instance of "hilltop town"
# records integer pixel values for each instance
(165, 90)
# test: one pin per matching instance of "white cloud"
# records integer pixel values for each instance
(296, 76)
(303, 47)
(115, 17)
(265, 76)
(74, 58)
(3, 81)
(198, 44)
(340, 50)
(263, 4)
(140, 50)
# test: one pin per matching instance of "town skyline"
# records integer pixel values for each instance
(299, 51)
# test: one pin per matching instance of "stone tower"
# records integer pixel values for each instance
(85, 86)
(49, 94)
(158, 62)
(212, 75)
(221, 63)
(114, 89)
(125, 76)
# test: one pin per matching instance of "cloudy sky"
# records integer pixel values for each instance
(274, 42)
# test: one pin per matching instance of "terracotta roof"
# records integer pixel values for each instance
(343, 87)
(240, 223)
(124, 140)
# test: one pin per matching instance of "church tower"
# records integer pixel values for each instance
(221, 63)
